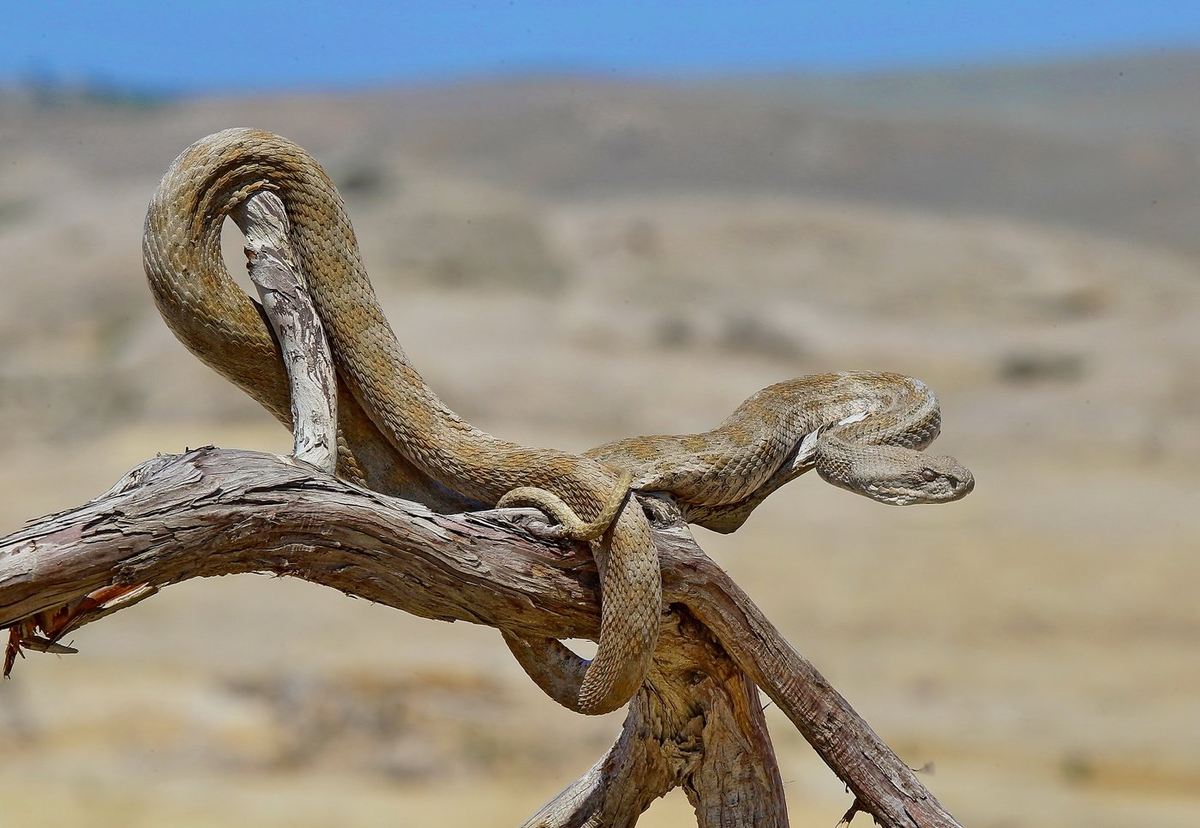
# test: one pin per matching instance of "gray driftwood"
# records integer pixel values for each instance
(697, 721)
(297, 327)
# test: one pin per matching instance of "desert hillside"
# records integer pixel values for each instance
(572, 260)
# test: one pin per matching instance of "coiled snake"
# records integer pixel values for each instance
(859, 430)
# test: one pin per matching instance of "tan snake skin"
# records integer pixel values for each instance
(859, 430)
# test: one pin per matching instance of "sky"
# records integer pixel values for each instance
(222, 46)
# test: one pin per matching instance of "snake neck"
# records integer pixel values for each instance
(862, 407)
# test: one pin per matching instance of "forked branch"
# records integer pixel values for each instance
(696, 723)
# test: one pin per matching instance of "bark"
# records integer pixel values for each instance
(695, 723)
(297, 327)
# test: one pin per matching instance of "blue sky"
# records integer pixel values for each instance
(270, 44)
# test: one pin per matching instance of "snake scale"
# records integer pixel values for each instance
(861, 431)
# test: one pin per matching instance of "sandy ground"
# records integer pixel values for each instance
(1035, 644)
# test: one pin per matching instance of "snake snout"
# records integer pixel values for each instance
(943, 479)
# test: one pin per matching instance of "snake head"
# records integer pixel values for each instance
(903, 477)
(930, 479)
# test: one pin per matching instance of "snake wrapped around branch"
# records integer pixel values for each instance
(861, 431)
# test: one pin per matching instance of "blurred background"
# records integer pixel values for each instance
(684, 203)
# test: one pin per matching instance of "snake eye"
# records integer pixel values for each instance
(928, 475)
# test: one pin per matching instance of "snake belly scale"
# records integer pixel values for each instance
(861, 431)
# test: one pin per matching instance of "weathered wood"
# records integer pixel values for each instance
(298, 329)
(215, 512)
(696, 724)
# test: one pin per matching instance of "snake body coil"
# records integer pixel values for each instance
(218, 322)
(861, 431)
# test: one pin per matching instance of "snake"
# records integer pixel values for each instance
(862, 431)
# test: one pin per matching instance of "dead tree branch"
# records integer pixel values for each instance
(696, 722)
(298, 329)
